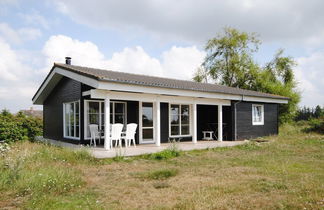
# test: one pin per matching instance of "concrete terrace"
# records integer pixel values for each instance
(100, 152)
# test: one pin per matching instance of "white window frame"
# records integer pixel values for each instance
(64, 121)
(101, 103)
(262, 114)
(180, 124)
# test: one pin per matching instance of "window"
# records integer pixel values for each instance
(179, 120)
(257, 114)
(71, 120)
(95, 114)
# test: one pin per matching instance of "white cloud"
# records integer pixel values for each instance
(83, 53)
(310, 74)
(9, 34)
(20, 35)
(17, 84)
(10, 67)
(135, 60)
(296, 21)
(178, 62)
(29, 33)
(181, 62)
(35, 19)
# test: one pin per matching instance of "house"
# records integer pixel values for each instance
(32, 112)
(74, 97)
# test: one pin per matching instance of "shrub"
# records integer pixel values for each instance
(19, 127)
(171, 152)
(165, 154)
(316, 125)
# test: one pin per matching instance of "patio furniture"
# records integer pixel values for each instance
(94, 134)
(208, 135)
(214, 127)
(116, 132)
(130, 134)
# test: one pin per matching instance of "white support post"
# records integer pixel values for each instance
(107, 123)
(158, 124)
(220, 123)
(194, 123)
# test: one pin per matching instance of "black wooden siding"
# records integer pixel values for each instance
(67, 90)
(132, 116)
(245, 129)
(164, 111)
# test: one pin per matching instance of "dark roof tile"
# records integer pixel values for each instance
(138, 79)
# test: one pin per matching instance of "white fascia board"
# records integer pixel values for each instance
(185, 93)
(55, 77)
(265, 100)
(166, 91)
(115, 95)
(46, 87)
(86, 93)
(78, 77)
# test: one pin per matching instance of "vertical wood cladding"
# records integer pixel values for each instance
(245, 129)
(164, 111)
(132, 116)
(67, 90)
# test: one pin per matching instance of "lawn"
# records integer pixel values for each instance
(285, 172)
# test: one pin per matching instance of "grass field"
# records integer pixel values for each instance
(287, 172)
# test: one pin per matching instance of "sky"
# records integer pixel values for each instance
(153, 37)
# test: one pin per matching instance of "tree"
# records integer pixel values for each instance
(277, 77)
(318, 112)
(230, 62)
(229, 57)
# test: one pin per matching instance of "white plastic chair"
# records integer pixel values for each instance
(94, 134)
(130, 134)
(116, 131)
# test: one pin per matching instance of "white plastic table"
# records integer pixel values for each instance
(208, 135)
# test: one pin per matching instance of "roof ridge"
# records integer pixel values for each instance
(136, 74)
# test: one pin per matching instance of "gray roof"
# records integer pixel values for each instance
(152, 81)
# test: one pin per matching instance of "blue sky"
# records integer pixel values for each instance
(163, 38)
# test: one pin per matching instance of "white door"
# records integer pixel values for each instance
(146, 122)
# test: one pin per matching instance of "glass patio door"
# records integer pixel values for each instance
(147, 123)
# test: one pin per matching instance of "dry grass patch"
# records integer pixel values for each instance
(287, 172)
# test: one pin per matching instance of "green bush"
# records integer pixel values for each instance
(170, 152)
(316, 125)
(19, 127)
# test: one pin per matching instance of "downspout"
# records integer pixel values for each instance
(235, 118)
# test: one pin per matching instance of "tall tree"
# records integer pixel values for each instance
(318, 112)
(277, 77)
(230, 62)
(229, 58)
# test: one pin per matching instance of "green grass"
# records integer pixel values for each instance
(160, 174)
(283, 172)
(168, 153)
